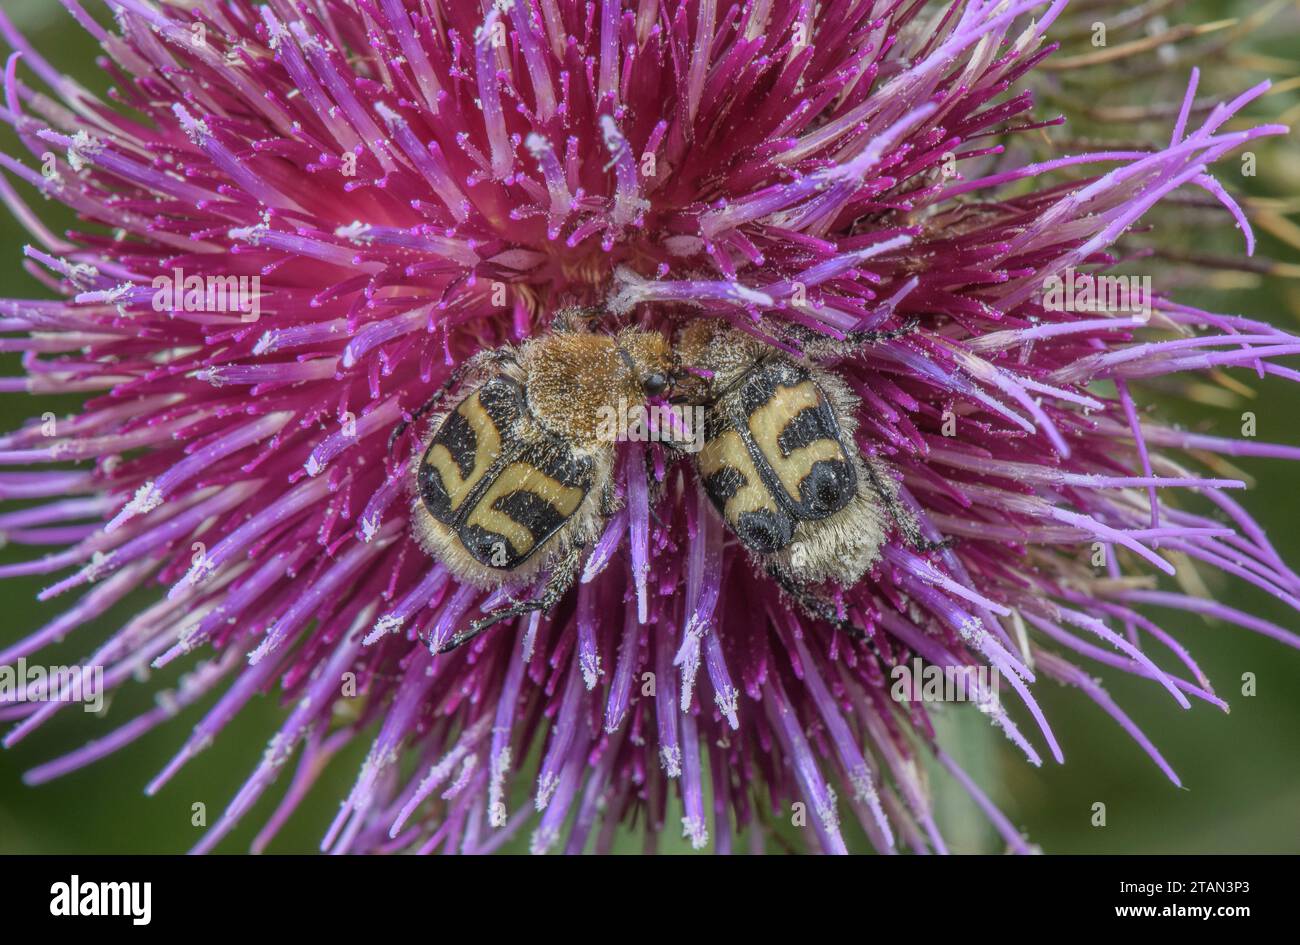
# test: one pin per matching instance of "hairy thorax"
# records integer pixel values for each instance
(723, 354)
(575, 381)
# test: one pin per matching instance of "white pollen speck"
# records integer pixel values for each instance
(728, 700)
(542, 841)
(266, 343)
(383, 626)
(591, 670)
(697, 831)
(146, 499)
(251, 234)
(100, 564)
(356, 232)
(546, 789)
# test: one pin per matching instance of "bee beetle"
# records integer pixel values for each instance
(780, 462)
(516, 476)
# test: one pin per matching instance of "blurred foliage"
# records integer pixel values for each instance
(1241, 771)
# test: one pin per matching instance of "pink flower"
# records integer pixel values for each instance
(299, 222)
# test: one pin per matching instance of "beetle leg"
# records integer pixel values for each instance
(607, 504)
(456, 376)
(561, 579)
(902, 518)
(817, 345)
(860, 339)
(564, 318)
(821, 609)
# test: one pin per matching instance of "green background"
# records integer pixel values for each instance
(1241, 771)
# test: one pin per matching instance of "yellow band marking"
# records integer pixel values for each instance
(521, 477)
(487, 449)
(768, 422)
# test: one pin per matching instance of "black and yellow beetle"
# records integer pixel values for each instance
(780, 462)
(515, 477)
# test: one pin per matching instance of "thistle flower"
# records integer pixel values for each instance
(388, 187)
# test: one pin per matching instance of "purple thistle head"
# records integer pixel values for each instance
(302, 218)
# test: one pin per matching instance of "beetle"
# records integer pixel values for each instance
(780, 462)
(516, 477)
